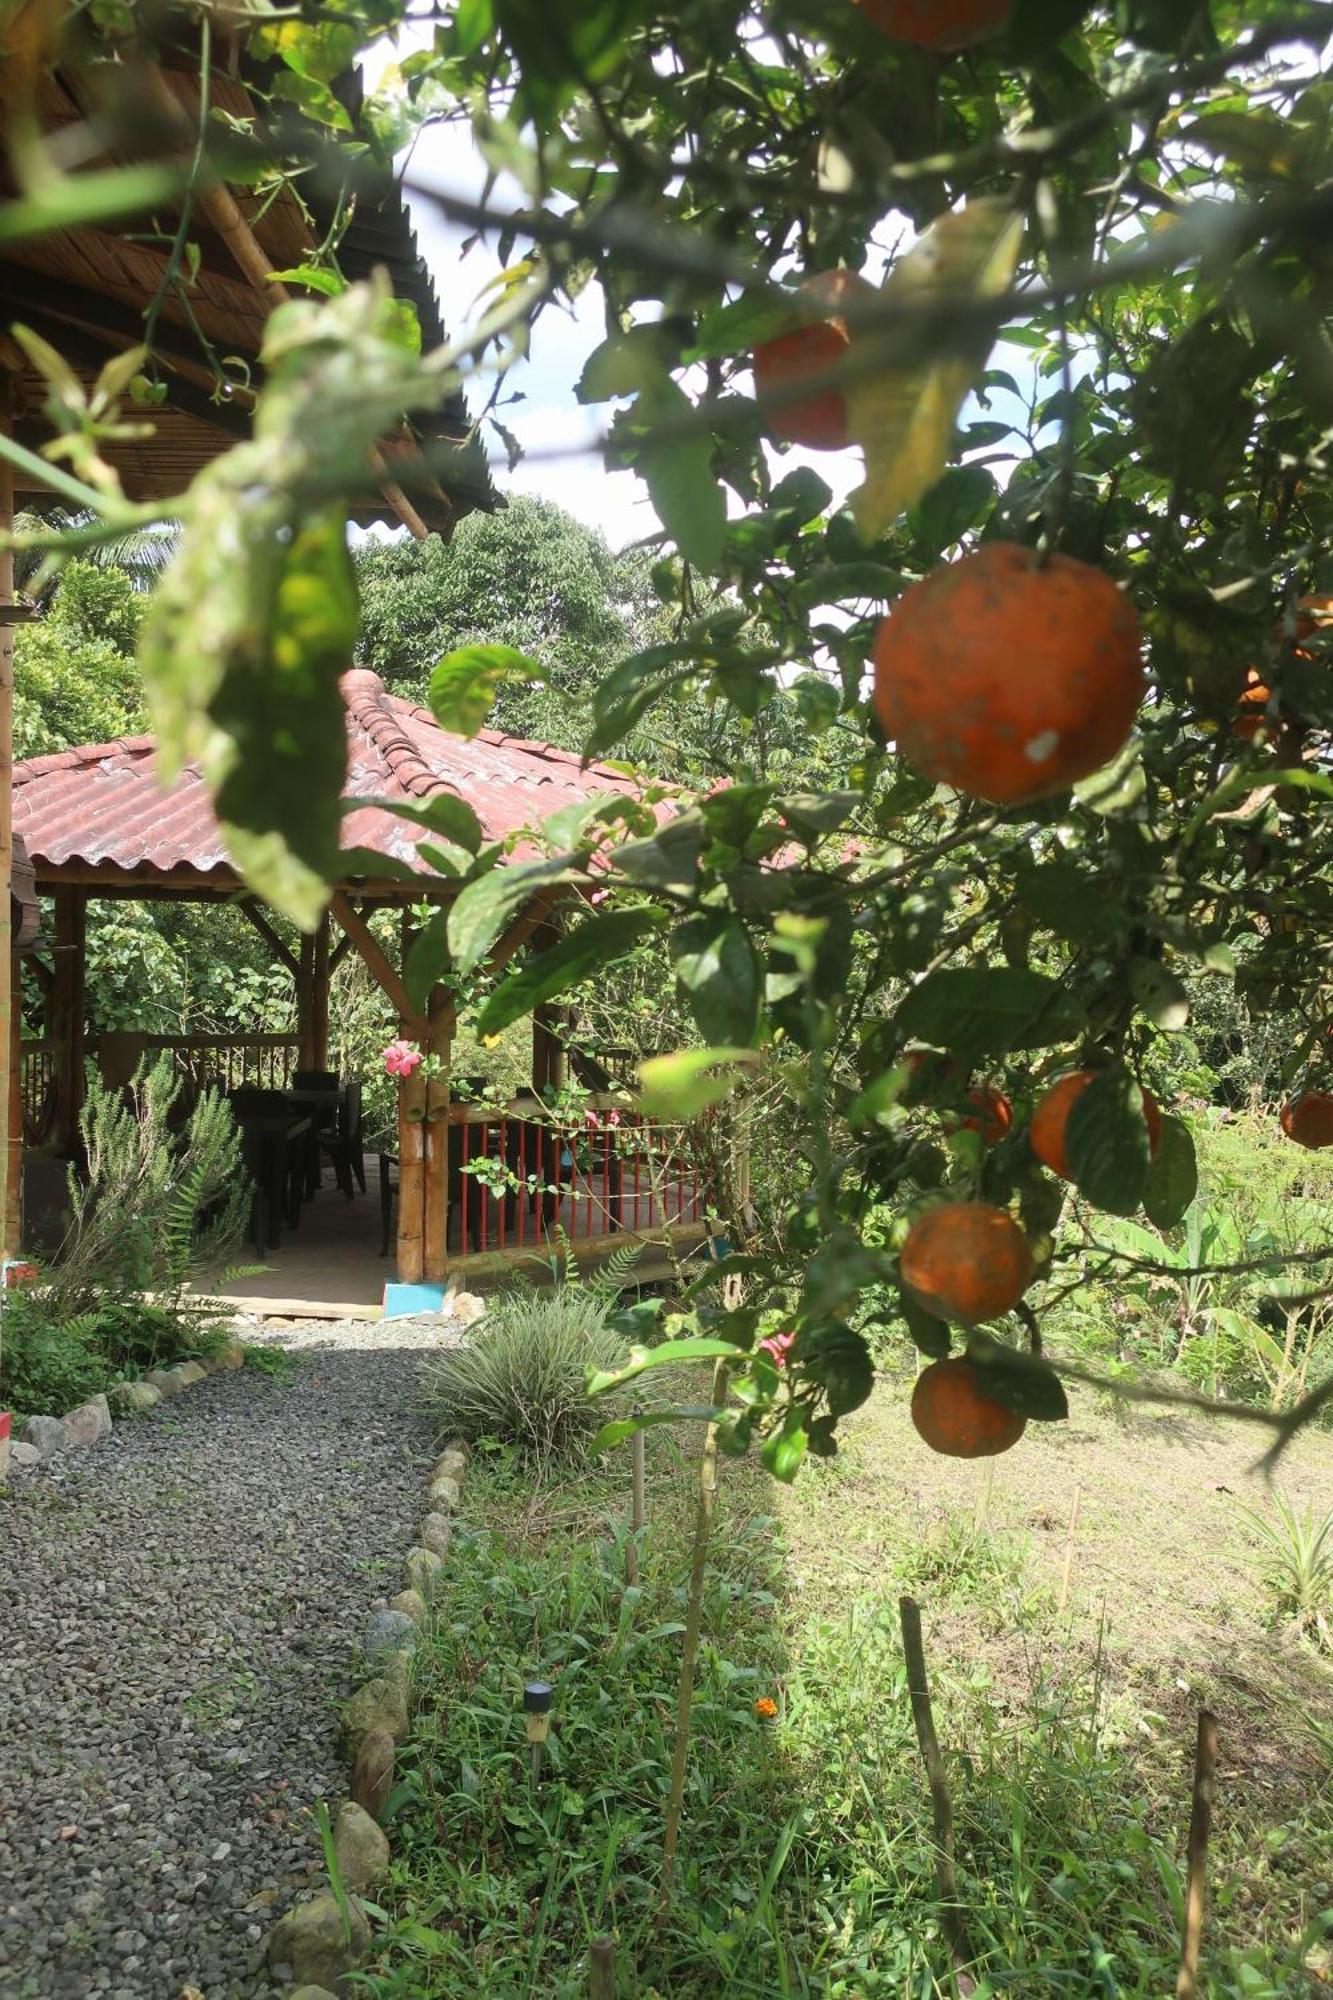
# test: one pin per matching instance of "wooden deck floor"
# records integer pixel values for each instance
(332, 1260)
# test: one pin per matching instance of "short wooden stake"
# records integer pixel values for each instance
(1201, 1821)
(1070, 1533)
(918, 1687)
(602, 1969)
(637, 1506)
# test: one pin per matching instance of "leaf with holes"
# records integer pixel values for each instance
(485, 907)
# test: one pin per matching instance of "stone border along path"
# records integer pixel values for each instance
(182, 1609)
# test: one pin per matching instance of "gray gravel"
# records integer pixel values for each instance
(179, 1612)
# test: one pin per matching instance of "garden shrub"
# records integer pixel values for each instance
(520, 1379)
(161, 1206)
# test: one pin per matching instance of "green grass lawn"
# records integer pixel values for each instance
(806, 1860)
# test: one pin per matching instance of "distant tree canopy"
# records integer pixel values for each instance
(532, 577)
(76, 678)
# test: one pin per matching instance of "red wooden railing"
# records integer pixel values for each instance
(522, 1173)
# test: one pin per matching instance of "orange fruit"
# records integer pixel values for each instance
(1046, 1134)
(1009, 680)
(1308, 1119)
(954, 1417)
(995, 1114)
(1314, 614)
(938, 24)
(966, 1260)
(1252, 708)
(819, 420)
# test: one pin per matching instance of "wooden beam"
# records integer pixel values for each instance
(305, 985)
(386, 977)
(319, 996)
(9, 999)
(522, 928)
(282, 952)
(339, 952)
(67, 1025)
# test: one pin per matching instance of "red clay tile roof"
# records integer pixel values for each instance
(103, 808)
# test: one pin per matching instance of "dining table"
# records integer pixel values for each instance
(271, 1141)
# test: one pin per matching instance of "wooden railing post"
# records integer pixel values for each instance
(67, 1013)
(319, 996)
(411, 1172)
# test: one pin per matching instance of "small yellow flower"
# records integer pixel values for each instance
(766, 1707)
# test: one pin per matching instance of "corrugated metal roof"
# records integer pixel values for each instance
(103, 807)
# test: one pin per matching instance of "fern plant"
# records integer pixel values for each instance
(161, 1206)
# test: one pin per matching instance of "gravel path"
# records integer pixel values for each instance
(179, 1611)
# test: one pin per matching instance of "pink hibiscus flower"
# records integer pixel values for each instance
(400, 1059)
(778, 1345)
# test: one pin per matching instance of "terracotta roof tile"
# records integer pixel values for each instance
(102, 806)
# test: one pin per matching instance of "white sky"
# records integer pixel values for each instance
(615, 502)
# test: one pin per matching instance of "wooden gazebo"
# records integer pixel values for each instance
(95, 290)
(98, 825)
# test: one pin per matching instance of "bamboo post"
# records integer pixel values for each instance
(941, 1802)
(13, 1194)
(602, 1969)
(1201, 1821)
(439, 1042)
(9, 997)
(71, 914)
(411, 1172)
(1068, 1569)
(703, 1523)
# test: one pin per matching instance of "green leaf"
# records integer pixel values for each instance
(313, 276)
(679, 475)
(721, 976)
(1107, 1142)
(670, 860)
(990, 1011)
(1260, 141)
(682, 1085)
(1173, 1177)
(444, 814)
(1118, 787)
(427, 961)
(929, 1334)
(1024, 1383)
(82, 201)
(1060, 895)
(671, 1354)
(277, 747)
(784, 1454)
(954, 504)
(838, 1359)
(593, 946)
(741, 325)
(446, 857)
(817, 702)
(374, 866)
(621, 1428)
(1158, 994)
(484, 908)
(463, 687)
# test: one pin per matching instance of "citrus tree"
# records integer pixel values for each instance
(1061, 274)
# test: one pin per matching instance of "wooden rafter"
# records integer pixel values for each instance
(385, 975)
(282, 952)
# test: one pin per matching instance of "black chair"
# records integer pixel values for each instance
(277, 1169)
(345, 1144)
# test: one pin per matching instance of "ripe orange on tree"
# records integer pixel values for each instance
(938, 24)
(1008, 678)
(818, 420)
(995, 1114)
(1050, 1120)
(1252, 708)
(966, 1260)
(954, 1417)
(1308, 1119)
